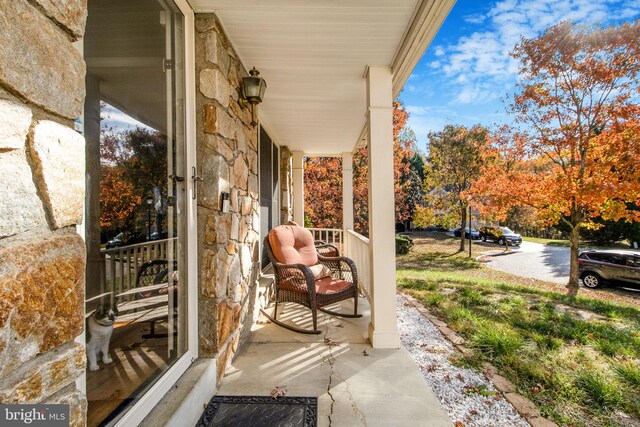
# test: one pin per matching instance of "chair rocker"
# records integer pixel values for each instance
(305, 277)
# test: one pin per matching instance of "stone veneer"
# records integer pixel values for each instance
(42, 258)
(227, 159)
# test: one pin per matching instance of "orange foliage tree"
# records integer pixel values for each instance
(575, 155)
(323, 181)
(403, 178)
(117, 199)
(323, 192)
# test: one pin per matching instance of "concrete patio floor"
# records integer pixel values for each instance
(355, 384)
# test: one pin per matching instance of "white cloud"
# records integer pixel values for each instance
(112, 118)
(481, 59)
(435, 64)
(474, 19)
(475, 94)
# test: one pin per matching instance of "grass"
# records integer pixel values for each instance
(549, 242)
(576, 356)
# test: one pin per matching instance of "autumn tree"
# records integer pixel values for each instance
(132, 163)
(361, 191)
(118, 200)
(323, 181)
(573, 153)
(454, 161)
(323, 192)
(404, 141)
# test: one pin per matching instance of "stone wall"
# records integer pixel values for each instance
(42, 168)
(227, 159)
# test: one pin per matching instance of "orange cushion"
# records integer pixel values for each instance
(292, 244)
(331, 285)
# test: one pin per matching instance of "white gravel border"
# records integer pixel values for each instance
(431, 351)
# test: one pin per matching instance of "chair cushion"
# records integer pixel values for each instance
(319, 271)
(331, 285)
(292, 244)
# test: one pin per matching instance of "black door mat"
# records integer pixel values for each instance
(260, 411)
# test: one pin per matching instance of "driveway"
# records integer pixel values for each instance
(533, 260)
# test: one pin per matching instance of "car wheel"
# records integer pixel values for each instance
(591, 280)
(502, 241)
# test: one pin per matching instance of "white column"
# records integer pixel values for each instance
(383, 330)
(298, 186)
(347, 197)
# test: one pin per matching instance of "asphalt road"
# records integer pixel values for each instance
(534, 260)
(537, 261)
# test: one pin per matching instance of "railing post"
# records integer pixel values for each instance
(383, 330)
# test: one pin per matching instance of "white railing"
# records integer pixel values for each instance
(358, 246)
(332, 236)
(122, 264)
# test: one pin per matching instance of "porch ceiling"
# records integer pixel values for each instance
(313, 55)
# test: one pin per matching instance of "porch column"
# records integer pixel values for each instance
(298, 186)
(383, 331)
(347, 197)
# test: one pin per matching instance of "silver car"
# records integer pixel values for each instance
(598, 266)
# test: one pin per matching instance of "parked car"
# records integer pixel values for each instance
(122, 239)
(500, 235)
(158, 236)
(475, 234)
(611, 265)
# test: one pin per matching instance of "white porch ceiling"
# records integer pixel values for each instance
(313, 55)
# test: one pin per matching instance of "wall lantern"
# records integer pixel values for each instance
(253, 91)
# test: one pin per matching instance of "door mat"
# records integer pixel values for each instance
(260, 411)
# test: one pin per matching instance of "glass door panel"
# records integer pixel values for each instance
(135, 227)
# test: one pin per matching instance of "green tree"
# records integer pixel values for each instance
(454, 162)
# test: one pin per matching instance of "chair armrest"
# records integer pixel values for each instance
(341, 265)
(322, 249)
(286, 271)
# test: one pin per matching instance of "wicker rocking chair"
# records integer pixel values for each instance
(305, 277)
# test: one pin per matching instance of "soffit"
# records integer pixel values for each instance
(313, 56)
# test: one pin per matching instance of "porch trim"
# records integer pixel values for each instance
(426, 22)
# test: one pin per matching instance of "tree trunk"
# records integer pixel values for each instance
(574, 244)
(462, 233)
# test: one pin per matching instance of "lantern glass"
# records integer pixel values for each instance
(253, 89)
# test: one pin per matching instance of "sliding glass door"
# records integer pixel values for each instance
(135, 228)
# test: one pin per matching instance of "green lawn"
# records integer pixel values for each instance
(576, 357)
(550, 242)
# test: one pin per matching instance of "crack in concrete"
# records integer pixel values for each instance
(331, 373)
(353, 403)
(330, 343)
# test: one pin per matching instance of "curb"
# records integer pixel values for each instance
(523, 406)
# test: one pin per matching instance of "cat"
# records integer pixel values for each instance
(100, 326)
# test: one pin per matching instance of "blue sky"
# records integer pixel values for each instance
(466, 71)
